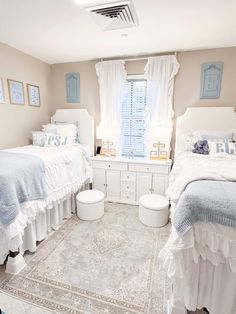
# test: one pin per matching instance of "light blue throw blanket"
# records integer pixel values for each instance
(207, 201)
(22, 178)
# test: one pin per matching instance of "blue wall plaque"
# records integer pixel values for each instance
(211, 80)
(73, 87)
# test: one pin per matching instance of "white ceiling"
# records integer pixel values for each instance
(58, 31)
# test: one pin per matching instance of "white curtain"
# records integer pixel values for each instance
(111, 78)
(160, 73)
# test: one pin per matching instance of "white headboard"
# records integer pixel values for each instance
(203, 118)
(86, 123)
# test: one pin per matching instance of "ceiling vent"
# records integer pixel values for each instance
(114, 15)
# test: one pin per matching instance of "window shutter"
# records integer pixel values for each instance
(133, 124)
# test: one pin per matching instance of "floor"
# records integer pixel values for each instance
(105, 266)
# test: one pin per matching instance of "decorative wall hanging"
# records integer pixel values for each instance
(2, 96)
(73, 87)
(211, 80)
(33, 95)
(16, 92)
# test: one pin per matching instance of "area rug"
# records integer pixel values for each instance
(105, 266)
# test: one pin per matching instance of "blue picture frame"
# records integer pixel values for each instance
(73, 87)
(211, 77)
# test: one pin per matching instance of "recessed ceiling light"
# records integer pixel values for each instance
(124, 35)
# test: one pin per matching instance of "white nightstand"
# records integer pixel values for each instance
(125, 180)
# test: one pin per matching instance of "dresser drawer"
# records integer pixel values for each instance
(127, 196)
(128, 176)
(127, 186)
(109, 165)
(149, 168)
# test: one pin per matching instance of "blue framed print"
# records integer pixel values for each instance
(73, 87)
(211, 77)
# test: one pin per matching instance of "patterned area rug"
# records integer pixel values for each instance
(105, 266)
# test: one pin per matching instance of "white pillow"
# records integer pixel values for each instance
(76, 123)
(215, 135)
(39, 138)
(57, 140)
(68, 130)
(191, 138)
(222, 147)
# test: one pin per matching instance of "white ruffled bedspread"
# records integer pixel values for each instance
(211, 242)
(67, 169)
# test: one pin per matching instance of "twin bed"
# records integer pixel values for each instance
(200, 254)
(65, 171)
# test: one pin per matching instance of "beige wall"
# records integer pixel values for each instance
(187, 85)
(17, 122)
(89, 93)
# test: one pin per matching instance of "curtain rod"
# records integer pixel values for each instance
(141, 57)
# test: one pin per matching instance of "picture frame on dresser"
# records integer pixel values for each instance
(2, 94)
(33, 92)
(16, 92)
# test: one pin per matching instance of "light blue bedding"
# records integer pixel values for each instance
(208, 201)
(22, 178)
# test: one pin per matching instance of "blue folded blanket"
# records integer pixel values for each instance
(22, 178)
(206, 201)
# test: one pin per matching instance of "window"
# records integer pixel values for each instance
(133, 124)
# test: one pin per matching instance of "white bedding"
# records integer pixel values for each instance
(67, 169)
(190, 167)
(205, 244)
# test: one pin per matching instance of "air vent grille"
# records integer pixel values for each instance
(115, 15)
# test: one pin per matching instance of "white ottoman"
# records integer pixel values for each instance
(90, 204)
(153, 210)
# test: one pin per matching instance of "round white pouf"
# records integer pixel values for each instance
(153, 210)
(90, 204)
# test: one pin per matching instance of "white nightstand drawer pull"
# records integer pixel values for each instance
(127, 186)
(162, 169)
(128, 196)
(128, 176)
(102, 164)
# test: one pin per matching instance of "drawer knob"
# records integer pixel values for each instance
(147, 169)
(127, 177)
(127, 187)
(109, 166)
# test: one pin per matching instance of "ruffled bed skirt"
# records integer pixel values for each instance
(35, 221)
(202, 268)
(206, 285)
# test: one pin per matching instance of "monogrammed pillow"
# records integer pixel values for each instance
(58, 140)
(222, 147)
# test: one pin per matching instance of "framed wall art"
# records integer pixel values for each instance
(33, 95)
(2, 96)
(211, 80)
(16, 92)
(73, 87)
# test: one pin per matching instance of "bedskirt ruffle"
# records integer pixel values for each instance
(210, 242)
(36, 219)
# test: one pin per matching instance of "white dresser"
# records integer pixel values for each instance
(125, 180)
